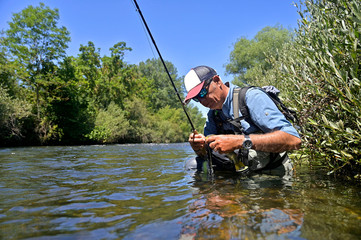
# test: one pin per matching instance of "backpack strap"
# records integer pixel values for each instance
(236, 93)
(239, 104)
(242, 102)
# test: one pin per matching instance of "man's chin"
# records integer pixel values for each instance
(212, 106)
(208, 105)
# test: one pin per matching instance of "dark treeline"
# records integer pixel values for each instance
(49, 98)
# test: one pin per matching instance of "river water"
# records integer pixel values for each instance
(143, 191)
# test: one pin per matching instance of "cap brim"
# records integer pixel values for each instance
(194, 92)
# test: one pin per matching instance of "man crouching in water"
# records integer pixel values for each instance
(259, 141)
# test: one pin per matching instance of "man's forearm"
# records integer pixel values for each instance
(275, 142)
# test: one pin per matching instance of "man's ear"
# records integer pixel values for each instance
(216, 78)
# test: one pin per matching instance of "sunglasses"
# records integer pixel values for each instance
(203, 91)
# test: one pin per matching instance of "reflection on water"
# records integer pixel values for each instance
(253, 207)
(141, 191)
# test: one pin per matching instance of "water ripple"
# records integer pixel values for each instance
(141, 191)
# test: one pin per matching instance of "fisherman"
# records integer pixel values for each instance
(260, 141)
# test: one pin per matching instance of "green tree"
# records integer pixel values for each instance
(85, 98)
(117, 80)
(88, 67)
(162, 93)
(170, 125)
(15, 114)
(248, 58)
(7, 71)
(197, 119)
(35, 40)
(66, 111)
(113, 64)
(142, 123)
(111, 126)
(319, 74)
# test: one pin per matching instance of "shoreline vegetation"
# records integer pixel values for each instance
(48, 98)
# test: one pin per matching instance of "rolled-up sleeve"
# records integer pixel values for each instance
(265, 114)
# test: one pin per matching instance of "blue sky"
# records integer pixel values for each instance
(188, 32)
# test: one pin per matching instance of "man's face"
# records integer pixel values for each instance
(215, 97)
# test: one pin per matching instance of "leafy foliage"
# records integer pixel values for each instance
(247, 59)
(330, 49)
(14, 117)
(163, 93)
(111, 126)
(56, 99)
(319, 74)
(36, 43)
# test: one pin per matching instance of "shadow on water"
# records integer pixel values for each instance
(141, 191)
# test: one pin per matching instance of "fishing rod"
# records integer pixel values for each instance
(165, 67)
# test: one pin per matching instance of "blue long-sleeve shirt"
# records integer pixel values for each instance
(265, 115)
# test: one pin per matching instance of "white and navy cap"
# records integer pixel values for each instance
(195, 79)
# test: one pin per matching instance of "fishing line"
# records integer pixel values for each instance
(145, 32)
(165, 67)
(157, 66)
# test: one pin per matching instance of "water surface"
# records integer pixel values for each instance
(142, 191)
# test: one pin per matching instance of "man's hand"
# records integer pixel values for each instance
(225, 143)
(197, 141)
